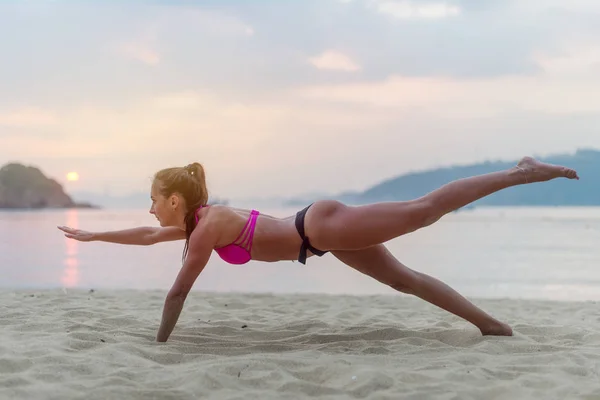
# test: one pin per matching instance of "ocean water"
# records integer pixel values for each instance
(542, 253)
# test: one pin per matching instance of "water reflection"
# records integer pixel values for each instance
(70, 276)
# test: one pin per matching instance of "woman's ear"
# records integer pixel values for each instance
(174, 201)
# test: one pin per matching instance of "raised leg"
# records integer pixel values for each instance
(333, 226)
(380, 264)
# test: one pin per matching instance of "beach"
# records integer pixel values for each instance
(98, 344)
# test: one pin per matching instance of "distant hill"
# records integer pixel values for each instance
(559, 192)
(132, 200)
(26, 187)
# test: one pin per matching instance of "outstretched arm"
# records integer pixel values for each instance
(143, 236)
(202, 242)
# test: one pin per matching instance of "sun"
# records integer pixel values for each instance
(72, 176)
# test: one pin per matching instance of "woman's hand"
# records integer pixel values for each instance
(77, 234)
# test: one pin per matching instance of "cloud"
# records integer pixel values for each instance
(200, 20)
(576, 59)
(414, 10)
(162, 24)
(140, 52)
(187, 100)
(568, 84)
(28, 117)
(565, 82)
(85, 61)
(334, 60)
(535, 6)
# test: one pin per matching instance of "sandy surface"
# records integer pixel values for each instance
(98, 345)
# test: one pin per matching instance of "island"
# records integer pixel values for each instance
(26, 187)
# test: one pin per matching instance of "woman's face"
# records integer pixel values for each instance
(167, 210)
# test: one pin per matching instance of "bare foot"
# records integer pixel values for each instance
(497, 329)
(537, 171)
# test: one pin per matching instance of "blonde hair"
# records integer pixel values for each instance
(190, 183)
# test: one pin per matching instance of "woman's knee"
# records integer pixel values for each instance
(426, 212)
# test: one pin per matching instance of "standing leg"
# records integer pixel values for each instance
(334, 226)
(380, 264)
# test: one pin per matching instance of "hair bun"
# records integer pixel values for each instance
(193, 169)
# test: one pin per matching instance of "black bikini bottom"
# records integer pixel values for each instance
(300, 215)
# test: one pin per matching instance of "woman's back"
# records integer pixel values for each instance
(266, 237)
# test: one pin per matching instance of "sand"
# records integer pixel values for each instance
(97, 345)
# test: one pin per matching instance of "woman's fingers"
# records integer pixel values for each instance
(69, 230)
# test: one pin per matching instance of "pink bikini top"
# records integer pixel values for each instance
(238, 251)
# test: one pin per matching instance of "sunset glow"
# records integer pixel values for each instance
(70, 276)
(237, 87)
(72, 176)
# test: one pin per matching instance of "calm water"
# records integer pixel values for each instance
(548, 253)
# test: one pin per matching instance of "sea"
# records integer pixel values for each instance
(550, 253)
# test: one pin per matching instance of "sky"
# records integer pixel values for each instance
(281, 98)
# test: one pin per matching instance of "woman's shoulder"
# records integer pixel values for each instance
(219, 214)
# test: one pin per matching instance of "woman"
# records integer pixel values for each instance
(353, 234)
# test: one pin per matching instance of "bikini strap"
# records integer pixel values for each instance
(247, 233)
(305, 246)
